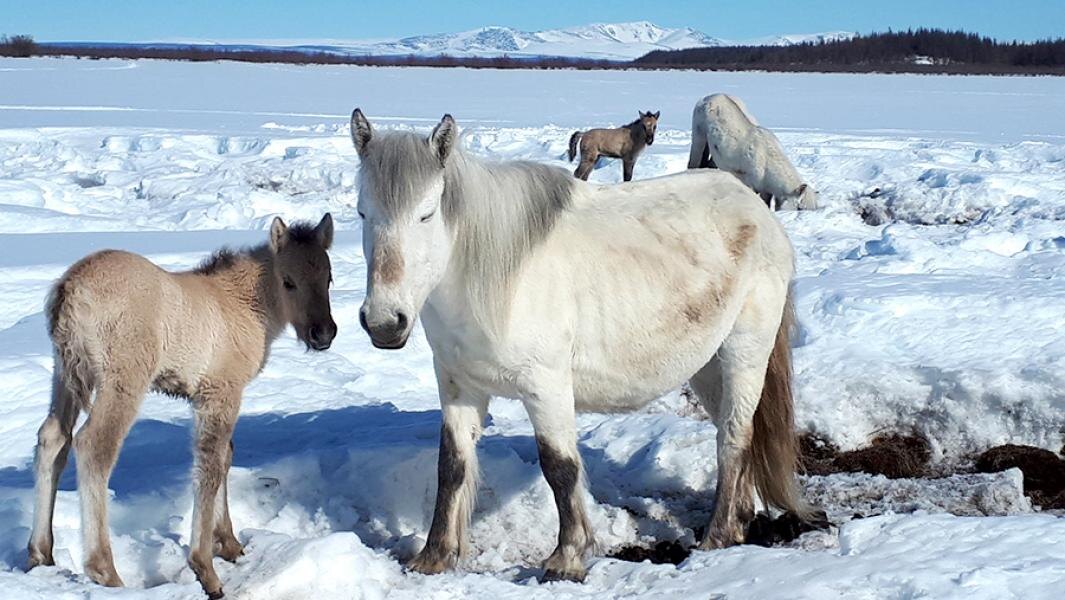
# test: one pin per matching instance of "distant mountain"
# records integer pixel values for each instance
(610, 41)
(616, 41)
(801, 38)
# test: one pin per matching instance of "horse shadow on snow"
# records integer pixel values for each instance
(368, 469)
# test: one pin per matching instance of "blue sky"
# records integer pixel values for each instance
(118, 20)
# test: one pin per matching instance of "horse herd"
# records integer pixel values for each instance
(530, 284)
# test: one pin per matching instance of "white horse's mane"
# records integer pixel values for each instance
(500, 211)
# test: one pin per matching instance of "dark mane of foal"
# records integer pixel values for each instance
(225, 258)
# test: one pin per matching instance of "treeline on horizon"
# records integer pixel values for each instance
(24, 47)
(911, 51)
(914, 47)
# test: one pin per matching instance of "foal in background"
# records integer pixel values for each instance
(121, 325)
(625, 143)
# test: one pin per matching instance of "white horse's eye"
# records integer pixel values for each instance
(427, 217)
(361, 216)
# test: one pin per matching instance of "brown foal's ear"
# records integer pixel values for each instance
(442, 139)
(278, 235)
(361, 132)
(657, 112)
(324, 231)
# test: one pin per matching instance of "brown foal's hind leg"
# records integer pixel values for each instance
(226, 545)
(53, 446)
(96, 448)
(587, 165)
(216, 415)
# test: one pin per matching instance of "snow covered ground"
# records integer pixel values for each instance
(930, 296)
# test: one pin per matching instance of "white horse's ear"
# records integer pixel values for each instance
(442, 139)
(800, 190)
(361, 132)
(324, 231)
(278, 234)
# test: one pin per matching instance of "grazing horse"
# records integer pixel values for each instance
(726, 136)
(574, 297)
(121, 325)
(625, 143)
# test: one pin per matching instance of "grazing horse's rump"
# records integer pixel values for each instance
(588, 298)
(120, 326)
(625, 143)
(727, 137)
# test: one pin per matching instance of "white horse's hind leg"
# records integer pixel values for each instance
(731, 387)
(699, 155)
(554, 423)
(457, 473)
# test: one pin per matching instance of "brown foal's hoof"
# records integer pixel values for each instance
(431, 563)
(39, 559)
(229, 550)
(574, 575)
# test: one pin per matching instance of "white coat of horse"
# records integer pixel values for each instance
(726, 136)
(576, 297)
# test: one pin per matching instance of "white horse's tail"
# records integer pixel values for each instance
(774, 453)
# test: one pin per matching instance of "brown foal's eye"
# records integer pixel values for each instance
(288, 284)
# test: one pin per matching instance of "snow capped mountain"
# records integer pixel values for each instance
(617, 41)
(611, 41)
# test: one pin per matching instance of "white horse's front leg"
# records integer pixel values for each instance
(554, 423)
(463, 416)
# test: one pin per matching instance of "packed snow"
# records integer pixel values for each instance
(929, 293)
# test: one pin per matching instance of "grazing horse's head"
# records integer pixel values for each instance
(808, 199)
(649, 120)
(805, 197)
(405, 241)
(301, 266)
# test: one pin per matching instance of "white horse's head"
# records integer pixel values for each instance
(405, 240)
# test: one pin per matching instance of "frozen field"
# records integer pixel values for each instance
(931, 295)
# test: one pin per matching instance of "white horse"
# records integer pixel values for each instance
(726, 136)
(578, 297)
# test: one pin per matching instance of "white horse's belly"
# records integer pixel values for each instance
(628, 378)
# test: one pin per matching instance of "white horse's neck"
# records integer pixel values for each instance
(498, 214)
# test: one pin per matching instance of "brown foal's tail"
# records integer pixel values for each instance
(73, 379)
(573, 141)
(774, 453)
